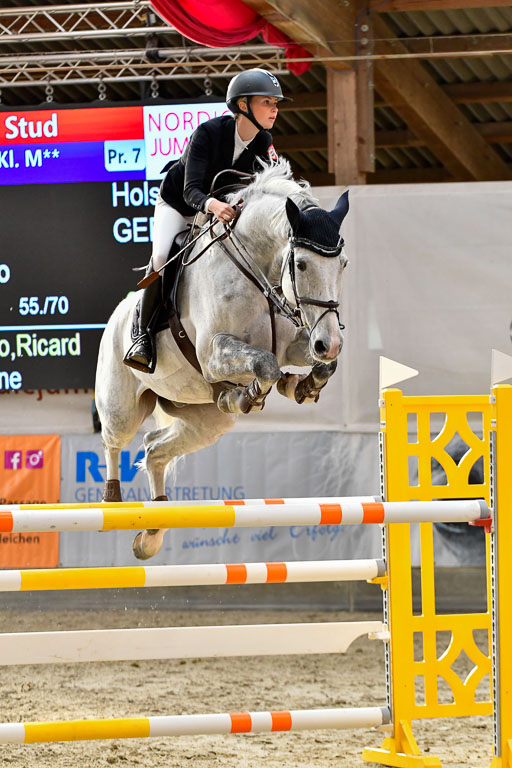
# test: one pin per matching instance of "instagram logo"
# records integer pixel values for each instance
(12, 459)
(34, 459)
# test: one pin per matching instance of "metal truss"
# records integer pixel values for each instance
(80, 20)
(86, 67)
(147, 61)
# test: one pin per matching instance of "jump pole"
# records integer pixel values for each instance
(99, 517)
(65, 647)
(190, 575)
(189, 725)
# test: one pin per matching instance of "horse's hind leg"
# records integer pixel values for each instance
(193, 427)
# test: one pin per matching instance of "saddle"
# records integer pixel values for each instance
(169, 283)
(166, 314)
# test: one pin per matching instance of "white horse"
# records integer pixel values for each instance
(293, 252)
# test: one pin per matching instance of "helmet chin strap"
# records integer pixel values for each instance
(250, 115)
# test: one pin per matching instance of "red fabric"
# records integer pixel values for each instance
(274, 36)
(221, 23)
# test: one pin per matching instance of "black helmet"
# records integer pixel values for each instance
(253, 82)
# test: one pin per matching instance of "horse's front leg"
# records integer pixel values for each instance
(232, 359)
(306, 389)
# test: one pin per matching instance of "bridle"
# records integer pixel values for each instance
(289, 260)
(277, 301)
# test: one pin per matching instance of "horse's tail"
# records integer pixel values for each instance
(96, 421)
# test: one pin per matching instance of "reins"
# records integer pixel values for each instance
(247, 177)
(148, 279)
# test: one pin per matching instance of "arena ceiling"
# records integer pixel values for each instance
(437, 75)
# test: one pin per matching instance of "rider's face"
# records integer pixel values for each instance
(264, 109)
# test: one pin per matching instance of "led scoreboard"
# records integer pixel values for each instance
(77, 190)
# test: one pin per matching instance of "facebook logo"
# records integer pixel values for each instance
(14, 459)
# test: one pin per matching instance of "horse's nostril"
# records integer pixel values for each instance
(320, 347)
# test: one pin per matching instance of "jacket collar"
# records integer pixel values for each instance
(258, 146)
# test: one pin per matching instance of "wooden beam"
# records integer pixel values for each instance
(433, 117)
(300, 142)
(365, 100)
(397, 138)
(493, 133)
(342, 128)
(452, 45)
(313, 24)
(416, 97)
(479, 93)
(469, 93)
(304, 101)
(350, 97)
(390, 6)
(496, 133)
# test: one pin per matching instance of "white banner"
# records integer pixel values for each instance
(428, 285)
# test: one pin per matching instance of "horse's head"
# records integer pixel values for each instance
(312, 272)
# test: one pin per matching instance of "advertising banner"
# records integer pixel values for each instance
(29, 474)
(243, 465)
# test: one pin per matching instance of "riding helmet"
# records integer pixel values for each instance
(253, 82)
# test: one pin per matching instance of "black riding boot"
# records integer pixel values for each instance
(142, 353)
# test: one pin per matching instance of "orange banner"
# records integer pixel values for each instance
(29, 474)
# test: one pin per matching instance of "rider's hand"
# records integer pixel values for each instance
(222, 211)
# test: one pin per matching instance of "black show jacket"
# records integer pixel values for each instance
(186, 186)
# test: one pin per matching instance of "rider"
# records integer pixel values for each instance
(217, 144)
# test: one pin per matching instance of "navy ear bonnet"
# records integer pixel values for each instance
(316, 229)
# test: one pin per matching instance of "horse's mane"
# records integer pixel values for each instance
(277, 180)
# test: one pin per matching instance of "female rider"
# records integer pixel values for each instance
(216, 145)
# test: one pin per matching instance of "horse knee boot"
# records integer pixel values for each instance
(142, 353)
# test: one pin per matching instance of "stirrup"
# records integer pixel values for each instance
(139, 366)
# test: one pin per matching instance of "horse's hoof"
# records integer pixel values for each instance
(138, 551)
(287, 385)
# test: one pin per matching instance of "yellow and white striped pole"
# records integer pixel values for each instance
(120, 516)
(190, 575)
(188, 725)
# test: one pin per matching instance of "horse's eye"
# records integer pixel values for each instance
(301, 266)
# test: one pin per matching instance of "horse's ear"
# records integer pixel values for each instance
(340, 210)
(293, 213)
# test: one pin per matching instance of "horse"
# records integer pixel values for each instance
(264, 295)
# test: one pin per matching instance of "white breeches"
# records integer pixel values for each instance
(166, 225)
